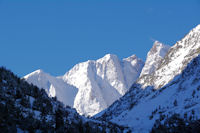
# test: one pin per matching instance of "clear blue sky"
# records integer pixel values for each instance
(56, 35)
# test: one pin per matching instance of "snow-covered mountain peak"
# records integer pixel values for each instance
(53, 86)
(131, 58)
(173, 88)
(108, 57)
(140, 109)
(134, 60)
(175, 60)
(38, 76)
(154, 57)
(157, 44)
(101, 82)
(37, 72)
(197, 28)
(159, 49)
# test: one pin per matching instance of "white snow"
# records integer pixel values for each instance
(53, 86)
(132, 67)
(154, 58)
(102, 82)
(139, 116)
(178, 75)
(176, 60)
(99, 82)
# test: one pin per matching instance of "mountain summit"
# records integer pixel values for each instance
(173, 88)
(175, 60)
(154, 57)
(91, 86)
(53, 86)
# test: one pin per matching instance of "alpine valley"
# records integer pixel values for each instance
(159, 95)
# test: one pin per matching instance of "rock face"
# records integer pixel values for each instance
(172, 89)
(154, 58)
(99, 82)
(175, 61)
(102, 82)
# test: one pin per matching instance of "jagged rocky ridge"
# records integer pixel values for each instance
(175, 60)
(91, 86)
(154, 97)
(154, 58)
(99, 82)
(102, 82)
(26, 108)
(172, 88)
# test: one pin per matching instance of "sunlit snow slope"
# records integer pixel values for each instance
(175, 61)
(99, 82)
(173, 88)
(53, 86)
(154, 58)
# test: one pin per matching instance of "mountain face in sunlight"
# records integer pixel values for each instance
(91, 86)
(172, 89)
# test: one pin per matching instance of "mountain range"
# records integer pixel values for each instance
(173, 88)
(128, 94)
(91, 86)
